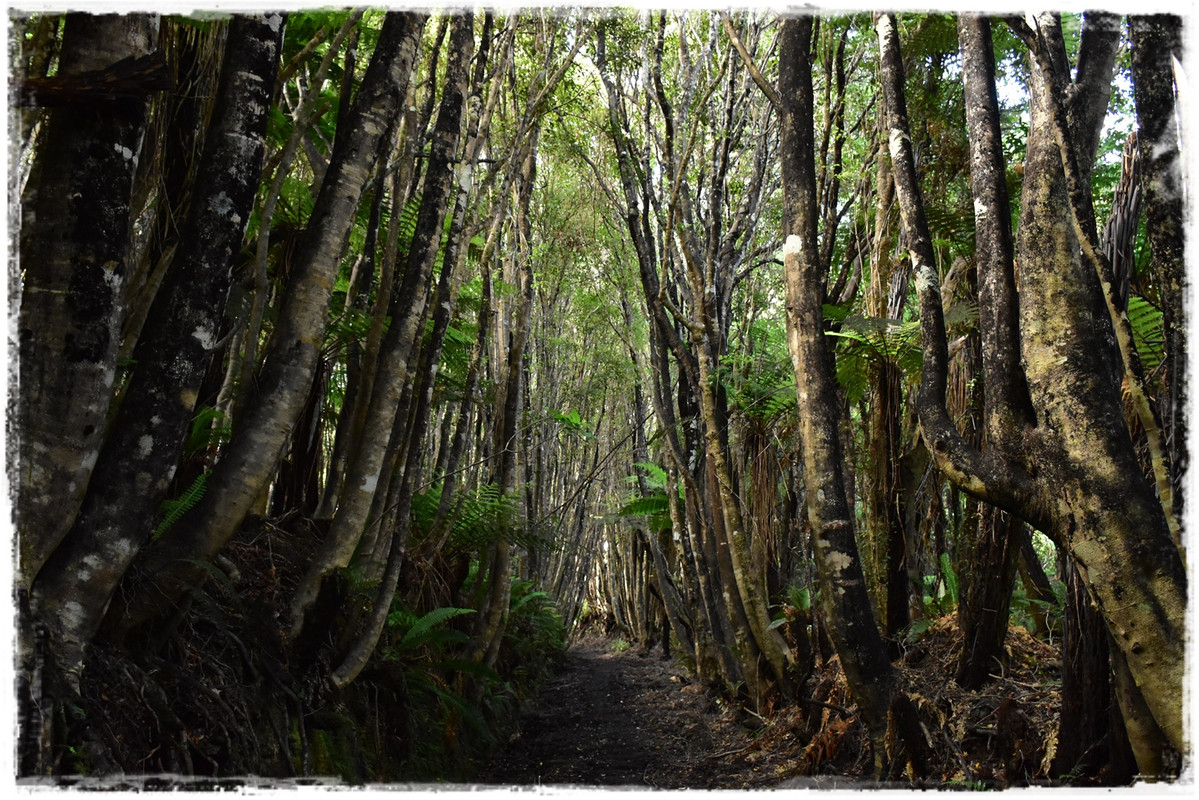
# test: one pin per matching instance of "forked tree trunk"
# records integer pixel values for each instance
(1074, 475)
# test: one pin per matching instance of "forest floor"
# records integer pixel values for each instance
(627, 718)
(633, 719)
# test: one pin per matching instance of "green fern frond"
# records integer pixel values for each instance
(422, 628)
(1148, 332)
(655, 476)
(173, 510)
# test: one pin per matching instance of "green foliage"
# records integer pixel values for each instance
(940, 597)
(1148, 332)
(573, 423)
(478, 518)
(654, 505)
(800, 597)
(868, 340)
(456, 353)
(209, 430)
(619, 646)
(757, 372)
(423, 646)
(535, 629)
(173, 510)
(424, 631)
(951, 229)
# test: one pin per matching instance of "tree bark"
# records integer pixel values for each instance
(449, 119)
(1087, 491)
(138, 460)
(366, 473)
(1156, 42)
(248, 462)
(844, 598)
(987, 578)
(74, 245)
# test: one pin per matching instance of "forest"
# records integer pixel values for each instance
(369, 365)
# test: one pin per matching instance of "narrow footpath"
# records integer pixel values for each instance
(627, 719)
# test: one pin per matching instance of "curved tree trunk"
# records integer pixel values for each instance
(1156, 42)
(367, 472)
(1074, 475)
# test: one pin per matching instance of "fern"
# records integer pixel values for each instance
(647, 506)
(173, 510)
(209, 429)
(422, 630)
(480, 517)
(655, 476)
(951, 579)
(1148, 332)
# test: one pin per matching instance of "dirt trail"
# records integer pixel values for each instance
(623, 719)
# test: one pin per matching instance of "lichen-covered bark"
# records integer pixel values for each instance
(138, 459)
(843, 587)
(1075, 474)
(1105, 514)
(989, 563)
(74, 242)
(248, 462)
(1156, 42)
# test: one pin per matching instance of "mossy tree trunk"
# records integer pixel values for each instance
(1073, 474)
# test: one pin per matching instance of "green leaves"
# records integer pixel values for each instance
(478, 518)
(655, 504)
(173, 510)
(868, 340)
(573, 423)
(1148, 332)
(425, 631)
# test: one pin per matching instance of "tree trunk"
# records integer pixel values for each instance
(142, 449)
(1074, 475)
(366, 473)
(1156, 41)
(74, 245)
(846, 604)
(985, 601)
(249, 461)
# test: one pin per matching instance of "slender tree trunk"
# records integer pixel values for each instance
(366, 472)
(843, 588)
(249, 461)
(494, 616)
